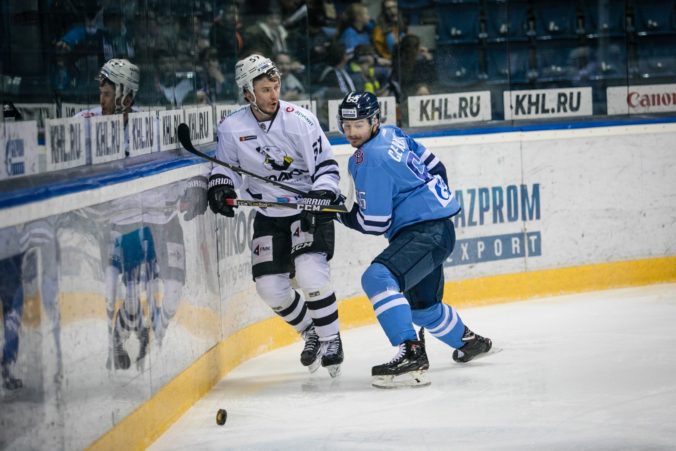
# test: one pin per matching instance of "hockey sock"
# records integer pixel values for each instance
(286, 302)
(312, 276)
(295, 313)
(392, 309)
(324, 311)
(443, 322)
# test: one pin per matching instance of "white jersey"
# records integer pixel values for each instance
(291, 148)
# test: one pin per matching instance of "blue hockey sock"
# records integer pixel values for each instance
(392, 309)
(443, 322)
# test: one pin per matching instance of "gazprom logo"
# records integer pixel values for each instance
(348, 113)
(14, 157)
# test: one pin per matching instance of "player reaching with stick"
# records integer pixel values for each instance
(283, 142)
(402, 192)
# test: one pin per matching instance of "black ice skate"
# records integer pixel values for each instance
(407, 369)
(309, 357)
(474, 346)
(332, 354)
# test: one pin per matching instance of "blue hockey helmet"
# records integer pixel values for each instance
(358, 105)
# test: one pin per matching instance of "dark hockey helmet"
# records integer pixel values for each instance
(358, 105)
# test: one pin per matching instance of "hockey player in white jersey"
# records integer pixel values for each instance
(118, 85)
(403, 194)
(283, 142)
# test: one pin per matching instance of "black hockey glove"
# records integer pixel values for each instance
(308, 219)
(220, 189)
(440, 169)
(194, 200)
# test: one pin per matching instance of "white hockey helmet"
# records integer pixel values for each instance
(124, 75)
(251, 67)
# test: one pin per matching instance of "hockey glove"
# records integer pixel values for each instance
(220, 189)
(440, 169)
(309, 220)
(194, 200)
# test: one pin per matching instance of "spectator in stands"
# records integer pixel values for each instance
(85, 47)
(335, 80)
(355, 27)
(294, 13)
(211, 82)
(118, 41)
(322, 17)
(152, 36)
(362, 68)
(171, 85)
(89, 39)
(390, 28)
(225, 36)
(412, 64)
(292, 88)
(269, 34)
(192, 39)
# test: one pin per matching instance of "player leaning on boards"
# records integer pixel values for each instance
(118, 86)
(284, 142)
(402, 193)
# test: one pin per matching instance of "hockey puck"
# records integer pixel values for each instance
(221, 416)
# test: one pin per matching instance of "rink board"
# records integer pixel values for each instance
(544, 212)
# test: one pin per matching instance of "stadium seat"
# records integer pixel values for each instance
(458, 22)
(508, 20)
(458, 65)
(556, 19)
(604, 18)
(411, 9)
(609, 57)
(655, 17)
(508, 63)
(656, 57)
(556, 59)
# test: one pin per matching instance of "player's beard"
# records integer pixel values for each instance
(267, 113)
(273, 109)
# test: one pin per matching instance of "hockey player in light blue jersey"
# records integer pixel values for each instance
(401, 192)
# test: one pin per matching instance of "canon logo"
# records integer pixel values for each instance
(635, 99)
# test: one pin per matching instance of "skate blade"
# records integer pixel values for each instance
(493, 350)
(334, 370)
(411, 379)
(314, 366)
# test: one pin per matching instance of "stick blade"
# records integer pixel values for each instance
(183, 133)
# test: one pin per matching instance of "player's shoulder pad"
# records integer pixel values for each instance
(298, 115)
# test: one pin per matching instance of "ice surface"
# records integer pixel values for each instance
(594, 371)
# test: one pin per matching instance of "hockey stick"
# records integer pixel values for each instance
(295, 206)
(183, 132)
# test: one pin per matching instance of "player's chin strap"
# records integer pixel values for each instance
(255, 106)
(119, 98)
(119, 105)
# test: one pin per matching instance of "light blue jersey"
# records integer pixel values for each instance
(398, 182)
